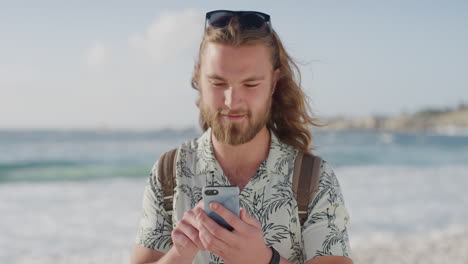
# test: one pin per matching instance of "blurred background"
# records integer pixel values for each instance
(91, 93)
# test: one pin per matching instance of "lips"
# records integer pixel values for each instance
(235, 117)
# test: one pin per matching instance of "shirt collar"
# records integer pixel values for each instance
(276, 162)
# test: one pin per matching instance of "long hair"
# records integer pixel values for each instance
(291, 117)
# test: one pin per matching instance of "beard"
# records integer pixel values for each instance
(234, 133)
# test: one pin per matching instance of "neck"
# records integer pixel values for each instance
(240, 162)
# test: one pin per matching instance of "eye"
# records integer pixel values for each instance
(251, 85)
(218, 84)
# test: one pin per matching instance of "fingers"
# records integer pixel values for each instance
(209, 225)
(212, 242)
(232, 219)
(228, 244)
(199, 204)
(189, 231)
(181, 239)
(188, 226)
(246, 217)
(198, 230)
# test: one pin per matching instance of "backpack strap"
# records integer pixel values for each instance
(166, 176)
(305, 181)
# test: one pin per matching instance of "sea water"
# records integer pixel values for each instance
(75, 196)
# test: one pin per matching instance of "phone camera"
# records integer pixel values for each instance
(211, 192)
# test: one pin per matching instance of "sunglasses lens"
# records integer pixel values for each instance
(252, 21)
(219, 19)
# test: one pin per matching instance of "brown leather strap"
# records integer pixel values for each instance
(297, 172)
(305, 182)
(315, 178)
(166, 175)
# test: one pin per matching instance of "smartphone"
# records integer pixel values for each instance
(228, 196)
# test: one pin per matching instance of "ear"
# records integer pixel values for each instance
(276, 75)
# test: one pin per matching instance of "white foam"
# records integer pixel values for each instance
(407, 214)
(398, 215)
(94, 222)
(404, 199)
(448, 245)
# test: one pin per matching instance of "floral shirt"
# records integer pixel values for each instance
(267, 196)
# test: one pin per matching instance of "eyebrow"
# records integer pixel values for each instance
(250, 79)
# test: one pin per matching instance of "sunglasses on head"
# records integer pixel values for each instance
(248, 20)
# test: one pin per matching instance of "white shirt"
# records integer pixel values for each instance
(267, 196)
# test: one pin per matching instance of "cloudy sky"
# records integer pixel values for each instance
(127, 64)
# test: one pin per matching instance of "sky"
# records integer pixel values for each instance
(128, 64)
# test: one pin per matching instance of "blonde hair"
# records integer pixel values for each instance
(291, 116)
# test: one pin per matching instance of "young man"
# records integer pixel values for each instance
(256, 120)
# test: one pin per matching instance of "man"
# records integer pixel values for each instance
(256, 120)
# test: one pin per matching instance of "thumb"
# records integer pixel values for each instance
(246, 217)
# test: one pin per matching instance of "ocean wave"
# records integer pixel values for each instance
(97, 221)
(40, 171)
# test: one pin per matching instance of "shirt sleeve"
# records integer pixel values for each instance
(155, 224)
(325, 232)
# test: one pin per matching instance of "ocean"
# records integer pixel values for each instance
(75, 196)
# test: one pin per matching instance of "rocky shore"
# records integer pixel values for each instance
(447, 121)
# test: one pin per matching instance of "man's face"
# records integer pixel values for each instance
(236, 86)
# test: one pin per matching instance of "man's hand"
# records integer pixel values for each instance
(185, 235)
(244, 244)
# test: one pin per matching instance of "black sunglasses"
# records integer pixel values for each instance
(248, 20)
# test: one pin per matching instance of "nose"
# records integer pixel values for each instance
(232, 97)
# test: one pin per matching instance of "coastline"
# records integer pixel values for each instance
(433, 121)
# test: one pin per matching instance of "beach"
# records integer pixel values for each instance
(96, 222)
(406, 196)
